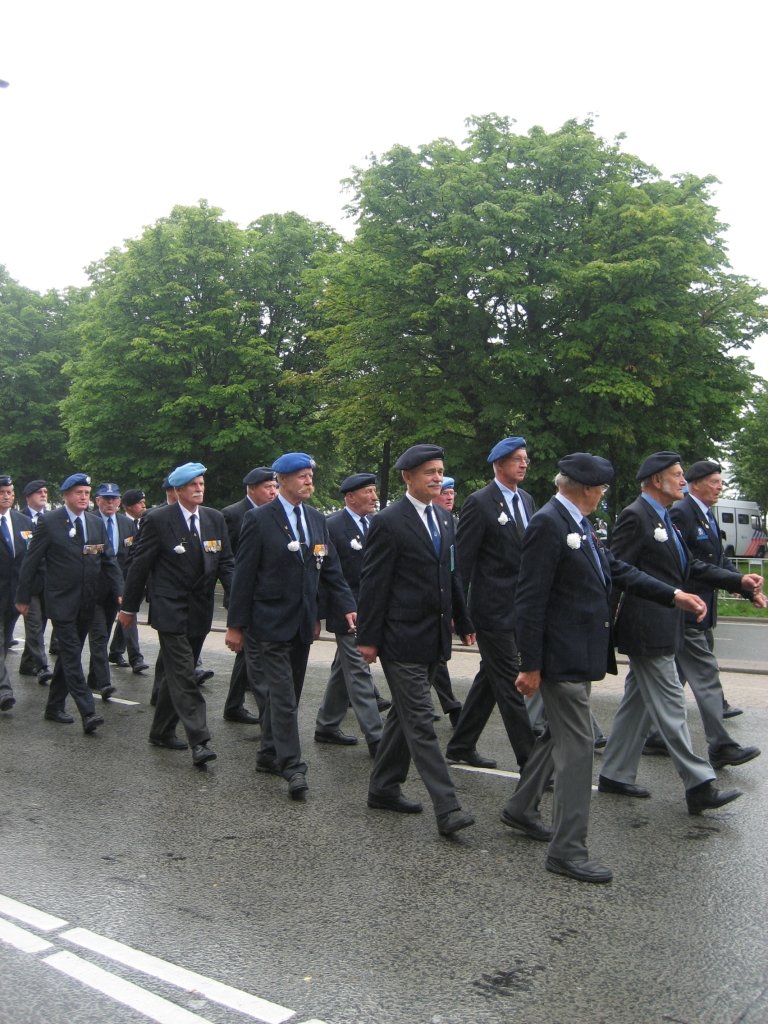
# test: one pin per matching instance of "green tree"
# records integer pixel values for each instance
(750, 450)
(189, 338)
(34, 345)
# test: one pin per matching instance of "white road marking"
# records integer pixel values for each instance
(21, 939)
(253, 1006)
(29, 915)
(492, 771)
(121, 700)
(125, 992)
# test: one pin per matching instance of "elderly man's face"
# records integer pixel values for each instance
(191, 495)
(446, 498)
(425, 481)
(512, 468)
(38, 500)
(107, 506)
(363, 500)
(263, 493)
(77, 499)
(297, 487)
(671, 483)
(708, 489)
(138, 509)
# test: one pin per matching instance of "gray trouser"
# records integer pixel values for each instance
(350, 682)
(654, 694)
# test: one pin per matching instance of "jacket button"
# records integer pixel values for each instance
(607, 625)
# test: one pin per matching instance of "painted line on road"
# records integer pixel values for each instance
(121, 700)
(253, 1006)
(121, 991)
(491, 771)
(29, 915)
(21, 939)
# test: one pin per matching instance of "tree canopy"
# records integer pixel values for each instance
(750, 450)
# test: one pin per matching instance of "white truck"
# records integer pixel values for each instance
(742, 527)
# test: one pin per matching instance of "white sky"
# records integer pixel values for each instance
(118, 111)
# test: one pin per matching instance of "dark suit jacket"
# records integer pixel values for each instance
(408, 595)
(10, 564)
(563, 600)
(38, 584)
(233, 514)
(275, 590)
(126, 531)
(707, 546)
(344, 532)
(489, 556)
(72, 576)
(180, 585)
(648, 629)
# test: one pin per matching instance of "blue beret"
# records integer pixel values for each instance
(108, 491)
(657, 463)
(698, 470)
(292, 462)
(32, 486)
(448, 481)
(418, 454)
(76, 480)
(183, 474)
(356, 481)
(586, 469)
(258, 476)
(506, 447)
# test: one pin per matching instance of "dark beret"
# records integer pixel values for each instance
(32, 486)
(258, 476)
(698, 470)
(356, 482)
(132, 497)
(657, 463)
(166, 485)
(5, 480)
(506, 447)
(590, 470)
(418, 454)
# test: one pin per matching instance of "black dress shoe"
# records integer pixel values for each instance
(201, 754)
(453, 821)
(91, 723)
(373, 747)
(119, 660)
(202, 675)
(453, 715)
(138, 667)
(534, 829)
(267, 765)
(401, 804)
(707, 797)
(729, 711)
(581, 870)
(600, 743)
(732, 753)
(58, 716)
(606, 785)
(436, 717)
(473, 758)
(106, 692)
(7, 703)
(383, 704)
(297, 786)
(656, 748)
(44, 676)
(335, 736)
(242, 715)
(171, 742)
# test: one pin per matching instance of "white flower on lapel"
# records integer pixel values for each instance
(294, 545)
(503, 518)
(573, 540)
(71, 532)
(355, 544)
(180, 549)
(660, 534)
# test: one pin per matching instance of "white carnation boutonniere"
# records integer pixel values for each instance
(294, 545)
(355, 544)
(573, 540)
(660, 534)
(503, 518)
(180, 549)
(71, 532)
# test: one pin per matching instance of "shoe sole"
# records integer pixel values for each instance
(351, 742)
(522, 827)
(578, 878)
(380, 805)
(735, 763)
(204, 760)
(455, 828)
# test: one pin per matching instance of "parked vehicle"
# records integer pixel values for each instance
(742, 527)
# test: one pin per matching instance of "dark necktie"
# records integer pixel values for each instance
(518, 516)
(587, 528)
(435, 533)
(110, 533)
(299, 527)
(363, 525)
(6, 533)
(193, 528)
(714, 529)
(79, 534)
(676, 540)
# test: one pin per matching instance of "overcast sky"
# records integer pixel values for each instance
(116, 112)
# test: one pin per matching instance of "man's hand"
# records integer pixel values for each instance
(22, 609)
(351, 618)
(234, 639)
(528, 683)
(125, 618)
(691, 603)
(760, 601)
(468, 639)
(753, 581)
(369, 653)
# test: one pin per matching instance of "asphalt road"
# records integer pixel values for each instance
(182, 895)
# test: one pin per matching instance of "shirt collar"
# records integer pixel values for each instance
(655, 505)
(573, 511)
